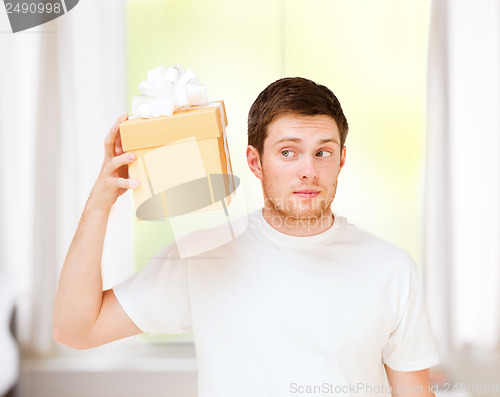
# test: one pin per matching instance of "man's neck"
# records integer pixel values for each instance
(295, 227)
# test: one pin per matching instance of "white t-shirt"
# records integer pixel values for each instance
(277, 315)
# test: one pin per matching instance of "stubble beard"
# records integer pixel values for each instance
(300, 210)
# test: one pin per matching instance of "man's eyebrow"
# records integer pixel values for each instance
(321, 141)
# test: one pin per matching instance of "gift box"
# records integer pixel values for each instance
(183, 162)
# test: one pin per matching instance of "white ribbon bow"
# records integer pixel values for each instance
(167, 90)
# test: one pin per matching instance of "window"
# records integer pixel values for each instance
(371, 54)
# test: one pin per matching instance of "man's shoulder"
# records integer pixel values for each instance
(208, 240)
(376, 247)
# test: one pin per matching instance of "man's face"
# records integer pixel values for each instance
(300, 165)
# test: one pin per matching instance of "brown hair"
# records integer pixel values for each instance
(292, 95)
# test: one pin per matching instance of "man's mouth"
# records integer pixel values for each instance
(307, 193)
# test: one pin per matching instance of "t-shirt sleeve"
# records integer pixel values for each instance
(157, 298)
(411, 345)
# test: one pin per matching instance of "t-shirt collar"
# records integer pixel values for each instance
(279, 238)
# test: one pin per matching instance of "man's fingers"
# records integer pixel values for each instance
(118, 145)
(126, 183)
(123, 159)
(109, 142)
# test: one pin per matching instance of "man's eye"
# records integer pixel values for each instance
(323, 153)
(287, 153)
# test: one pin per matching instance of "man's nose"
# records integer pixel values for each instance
(307, 168)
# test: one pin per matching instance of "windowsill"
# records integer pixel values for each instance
(132, 367)
(131, 354)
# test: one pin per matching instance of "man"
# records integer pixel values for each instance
(301, 303)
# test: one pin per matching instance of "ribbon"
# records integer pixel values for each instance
(168, 90)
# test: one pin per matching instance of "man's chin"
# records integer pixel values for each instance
(305, 212)
(301, 209)
(313, 206)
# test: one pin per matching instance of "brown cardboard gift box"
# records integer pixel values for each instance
(182, 163)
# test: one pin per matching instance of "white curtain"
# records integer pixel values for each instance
(462, 222)
(63, 84)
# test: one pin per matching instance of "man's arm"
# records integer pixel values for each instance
(84, 315)
(413, 383)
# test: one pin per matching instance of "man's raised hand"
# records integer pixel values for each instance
(113, 179)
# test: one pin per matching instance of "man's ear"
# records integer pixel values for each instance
(342, 158)
(253, 160)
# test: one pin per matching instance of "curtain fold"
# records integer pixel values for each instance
(63, 86)
(462, 214)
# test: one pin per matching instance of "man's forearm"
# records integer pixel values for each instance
(79, 295)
